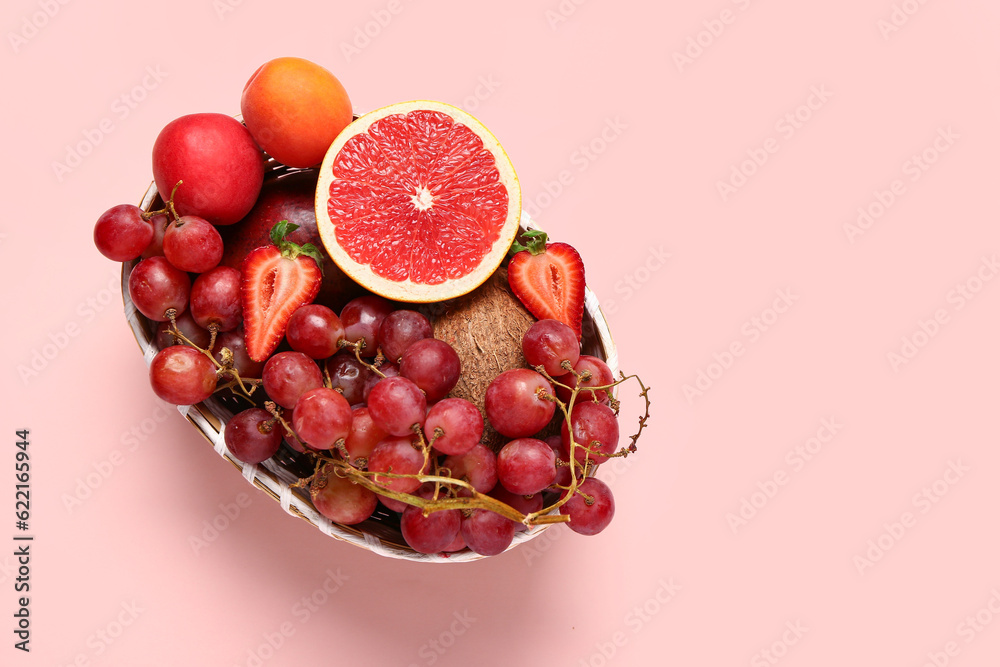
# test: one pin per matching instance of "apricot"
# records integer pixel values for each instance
(294, 110)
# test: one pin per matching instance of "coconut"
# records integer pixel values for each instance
(485, 327)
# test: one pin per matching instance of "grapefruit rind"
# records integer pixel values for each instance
(408, 290)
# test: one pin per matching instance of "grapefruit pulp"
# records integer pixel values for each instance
(417, 202)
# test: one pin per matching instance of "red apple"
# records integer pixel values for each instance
(221, 167)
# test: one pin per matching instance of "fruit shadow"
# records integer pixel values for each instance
(317, 582)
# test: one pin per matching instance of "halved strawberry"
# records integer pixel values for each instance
(276, 280)
(548, 279)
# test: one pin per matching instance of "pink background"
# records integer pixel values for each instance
(837, 559)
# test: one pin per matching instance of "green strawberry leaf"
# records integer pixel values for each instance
(292, 250)
(281, 230)
(534, 243)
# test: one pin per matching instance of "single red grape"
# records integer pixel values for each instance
(595, 430)
(397, 455)
(400, 329)
(234, 341)
(321, 417)
(523, 504)
(288, 375)
(526, 466)
(121, 234)
(563, 472)
(253, 435)
(388, 369)
(362, 318)
(396, 405)
(215, 299)
(550, 343)
(187, 326)
(478, 466)
(432, 533)
(456, 545)
(433, 365)
(192, 244)
(460, 422)
(590, 519)
(160, 223)
(487, 533)
(600, 376)
(364, 434)
(349, 375)
(341, 500)
(514, 403)
(392, 504)
(182, 375)
(155, 286)
(314, 330)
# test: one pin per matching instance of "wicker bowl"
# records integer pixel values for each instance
(380, 533)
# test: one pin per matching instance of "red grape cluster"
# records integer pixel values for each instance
(387, 431)
(580, 385)
(205, 309)
(364, 394)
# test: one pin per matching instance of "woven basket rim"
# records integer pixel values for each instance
(209, 419)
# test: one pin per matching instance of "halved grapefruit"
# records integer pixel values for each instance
(417, 202)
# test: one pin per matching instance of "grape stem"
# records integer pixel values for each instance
(475, 501)
(645, 417)
(580, 471)
(168, 208)
(213, 330)
(357, 346)
(275, 411)
(226, 368)
(567, 410)
(341, 448)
